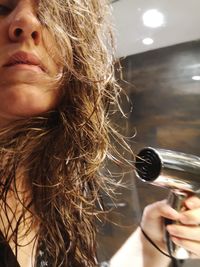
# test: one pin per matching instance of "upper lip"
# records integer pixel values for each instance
(22, 57)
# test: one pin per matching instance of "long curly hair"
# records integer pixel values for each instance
(58, 156)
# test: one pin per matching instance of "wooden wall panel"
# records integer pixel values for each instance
(166, 113)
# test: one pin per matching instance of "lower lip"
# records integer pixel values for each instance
(16, 67)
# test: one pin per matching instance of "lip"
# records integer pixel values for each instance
(21, 58)
(34, 68)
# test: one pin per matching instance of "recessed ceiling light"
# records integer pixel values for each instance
(147, 41)
(153, 18)
(196, 78)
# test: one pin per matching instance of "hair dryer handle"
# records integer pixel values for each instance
(175, 200)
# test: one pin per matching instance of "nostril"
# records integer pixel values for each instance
(34, 35)
(18, 32)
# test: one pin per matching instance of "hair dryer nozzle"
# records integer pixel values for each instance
(148, 164)
(170, 169)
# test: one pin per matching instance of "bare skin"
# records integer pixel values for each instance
(25, 89)
(137, 251)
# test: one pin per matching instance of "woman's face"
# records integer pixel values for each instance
(27, 62)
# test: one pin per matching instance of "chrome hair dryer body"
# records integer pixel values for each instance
(176, 171)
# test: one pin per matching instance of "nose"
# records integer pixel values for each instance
(25, 26)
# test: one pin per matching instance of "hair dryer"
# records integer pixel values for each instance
(176, 171)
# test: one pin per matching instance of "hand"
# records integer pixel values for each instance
(186, 235)
(152, 221)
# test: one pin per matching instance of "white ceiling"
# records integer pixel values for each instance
(182, 24)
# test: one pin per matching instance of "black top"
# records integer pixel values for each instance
(8, 258)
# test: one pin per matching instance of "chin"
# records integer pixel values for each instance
(27, 101)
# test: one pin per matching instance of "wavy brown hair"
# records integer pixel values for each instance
(59, 155)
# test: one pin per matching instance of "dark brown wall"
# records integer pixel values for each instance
(166, 101)
(166, 109)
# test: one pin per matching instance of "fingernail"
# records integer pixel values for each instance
(171, 229)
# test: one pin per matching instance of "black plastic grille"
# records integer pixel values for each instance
(148, 164)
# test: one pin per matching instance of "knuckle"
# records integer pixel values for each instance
(147, 211)
(193, 202)
(193, 219)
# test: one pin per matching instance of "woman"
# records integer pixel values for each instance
(56, 86)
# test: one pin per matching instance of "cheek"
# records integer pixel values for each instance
(50, 47)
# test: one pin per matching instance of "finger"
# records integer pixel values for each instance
(191, 246)
(190, 217)
(160, 209)
(190, 233)
(192, 202)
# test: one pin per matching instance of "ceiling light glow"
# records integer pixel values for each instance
(153, 18)
(196, 78)
(147, 41)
